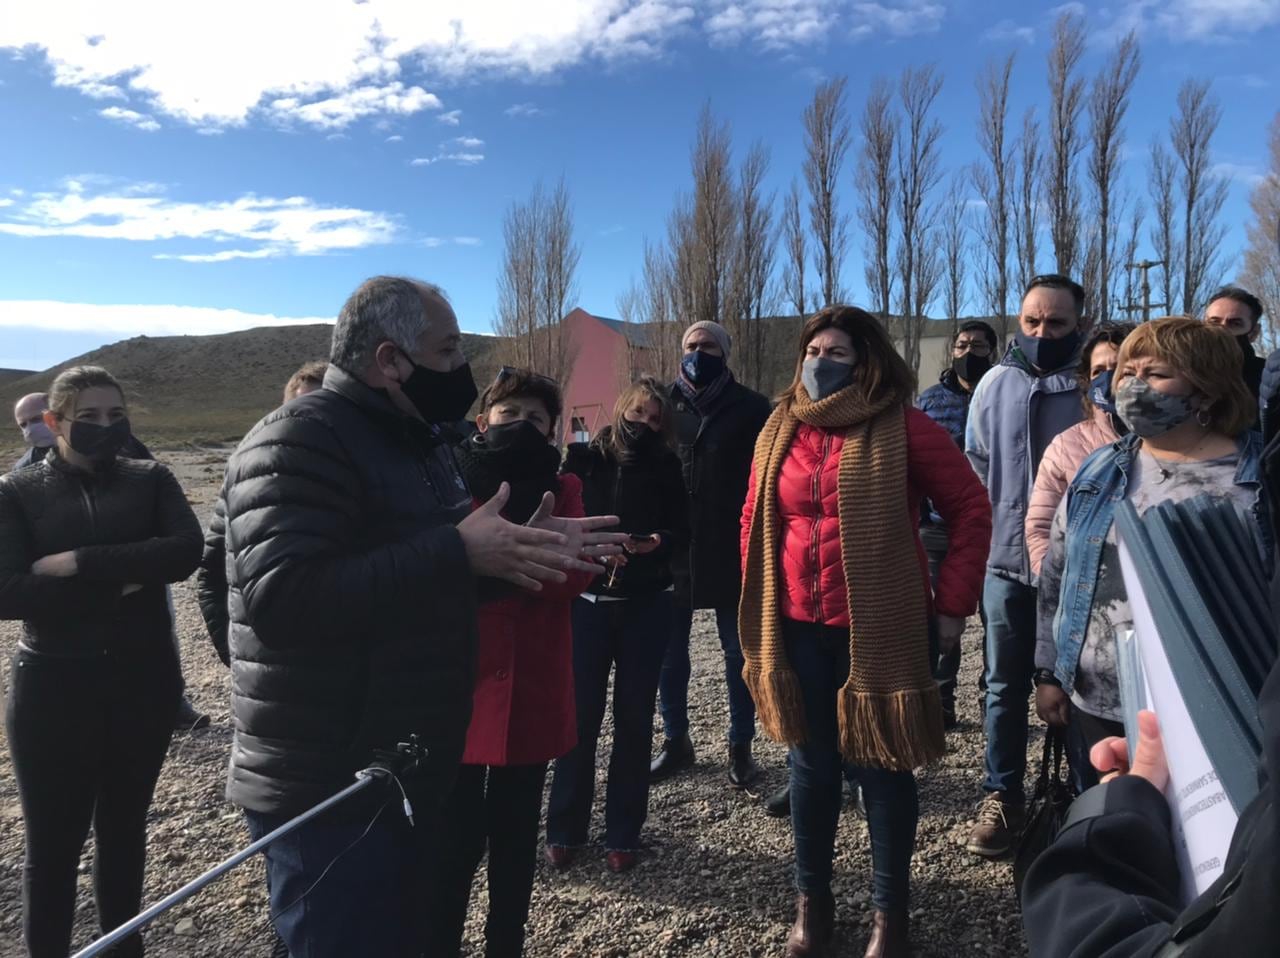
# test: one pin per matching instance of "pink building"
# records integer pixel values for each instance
(603, 355)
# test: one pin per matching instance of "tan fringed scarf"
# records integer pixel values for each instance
(889, 711)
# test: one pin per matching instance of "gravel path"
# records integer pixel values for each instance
(715, 881)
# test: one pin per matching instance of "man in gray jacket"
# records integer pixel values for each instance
(1017, 409)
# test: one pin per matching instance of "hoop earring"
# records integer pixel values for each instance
(1203, 418)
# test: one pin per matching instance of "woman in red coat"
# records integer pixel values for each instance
(836, 604)
(523, 711)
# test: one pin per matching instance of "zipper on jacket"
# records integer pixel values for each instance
(814, 547)
(90, 507)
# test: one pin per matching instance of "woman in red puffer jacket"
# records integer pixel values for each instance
(836, 605)
(523, 713)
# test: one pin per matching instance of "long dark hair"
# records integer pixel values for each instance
(879, 368)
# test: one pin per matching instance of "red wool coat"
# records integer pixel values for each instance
(523, 710)
(808, 506)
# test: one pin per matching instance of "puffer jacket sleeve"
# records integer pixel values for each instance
(294, 528)
(1051, 485)
(170, 555)
(937, 468)
(674, 524)
(977, 435)
(211, 582)
(24, 595)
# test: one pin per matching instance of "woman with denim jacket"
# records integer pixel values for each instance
(1179, 392)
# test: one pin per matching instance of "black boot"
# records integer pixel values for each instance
(742, 768)
(188, 719)
(676, 756)
(778, 805)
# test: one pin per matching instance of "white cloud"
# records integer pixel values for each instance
(1007, 30)
(452, 118)
(131, 118)
(138, 319)
(435, 242)
(460, 158)
(96, 208)
(523, 109)
(467, 240)
(1244, 173)
(5, 201)
(786, 24)
(341, 111)
(1213, 21)
(395, 139)
(902, 18)
(469, 142)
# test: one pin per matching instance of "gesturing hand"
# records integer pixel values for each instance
(950, 629)
(519, 554)
(581, 542)
(1111, 755)
(60, 564)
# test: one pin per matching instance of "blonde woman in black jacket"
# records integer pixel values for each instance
(88, 541)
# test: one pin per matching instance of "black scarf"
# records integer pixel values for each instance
(530, 472)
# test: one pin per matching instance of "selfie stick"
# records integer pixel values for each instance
(387, 767)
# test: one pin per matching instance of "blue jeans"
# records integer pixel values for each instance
(819, 656)
(371, 900)
(673, 687)
(1011, 646)
(629, 638)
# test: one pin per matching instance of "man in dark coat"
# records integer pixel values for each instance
(717, 420)
(1239, 312)
(354, 566)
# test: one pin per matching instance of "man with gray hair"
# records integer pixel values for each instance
(28, 412)
(355, 564)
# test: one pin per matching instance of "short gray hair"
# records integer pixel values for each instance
(384, 308)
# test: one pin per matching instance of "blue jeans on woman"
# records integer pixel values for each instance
(673, 686)
(628, 637)
(819, 656)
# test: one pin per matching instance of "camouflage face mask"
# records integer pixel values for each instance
(1150, 413)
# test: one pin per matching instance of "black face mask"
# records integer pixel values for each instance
(520, 436)
(99, 444)
(1246, 347)
(440, 397)
(1048, 355)
(701, 368)
(970, 367)
(639, 438)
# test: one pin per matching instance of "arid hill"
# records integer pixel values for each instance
(213, 388)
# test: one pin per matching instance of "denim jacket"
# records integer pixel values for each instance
(1101, 482)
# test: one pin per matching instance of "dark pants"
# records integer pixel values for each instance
(673, 687)
(498, 809)
(1011, 645)
(87, 738)
(819, 656)
(630, 638)
(1084, 731)
(373, 895)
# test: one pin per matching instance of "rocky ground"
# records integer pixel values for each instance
(716, 880)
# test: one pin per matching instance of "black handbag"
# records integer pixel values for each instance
(1047, 808)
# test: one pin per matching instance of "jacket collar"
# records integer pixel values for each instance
(377, 403)
(1013, 356)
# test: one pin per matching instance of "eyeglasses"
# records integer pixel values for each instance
(979, 347)
(506, 372)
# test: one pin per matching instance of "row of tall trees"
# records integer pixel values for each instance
(1048, 191)
(1262, 257)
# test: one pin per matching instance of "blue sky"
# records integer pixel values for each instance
(174, 168)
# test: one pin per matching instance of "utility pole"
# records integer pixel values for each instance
(1145, 265)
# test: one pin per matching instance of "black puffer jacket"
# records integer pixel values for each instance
(716, 452)
(647, 495)
(211, 582)
(128, 523)
(352, 604)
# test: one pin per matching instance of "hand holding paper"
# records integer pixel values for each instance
(1111, 756)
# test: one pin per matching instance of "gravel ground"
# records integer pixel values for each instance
(715, 880)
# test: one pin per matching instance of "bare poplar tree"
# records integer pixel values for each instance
(954, 242)
(918, 172)
(558, 257)
(1066, 100)
(1108, 103)
(826, 129)
(1203, 194)
(1161, 186)
(1129, 285)
(794, 238)
(518, 301)
(1026, 202)
(874, 180)
(993, 178)
(753, 266)
(1261, 272)
(632, 305)
(714, 217)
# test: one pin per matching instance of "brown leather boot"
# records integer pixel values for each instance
(890, 935)
(815, 922)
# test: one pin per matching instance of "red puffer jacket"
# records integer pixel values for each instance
(812, 568)
(523, 710)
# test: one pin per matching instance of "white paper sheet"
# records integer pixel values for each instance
(1203, 817)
